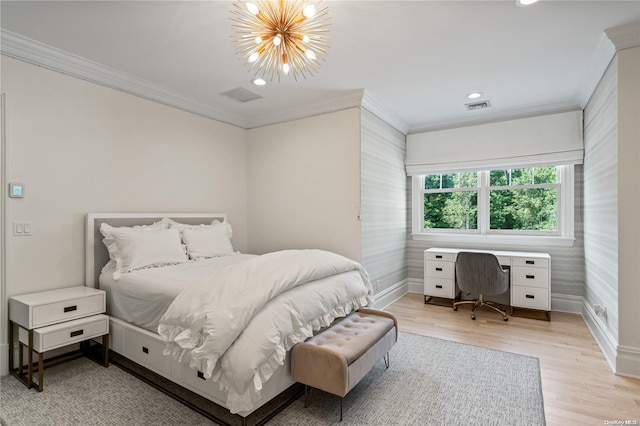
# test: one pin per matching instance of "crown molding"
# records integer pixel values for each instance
(34, 52)
(27, 50)
(341, 101)
(605, 51)
(384, 113)
(624, 36)
(497, 117)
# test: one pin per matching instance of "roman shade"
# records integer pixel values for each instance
(554, 139)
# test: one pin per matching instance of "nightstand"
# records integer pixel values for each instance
(49, 320)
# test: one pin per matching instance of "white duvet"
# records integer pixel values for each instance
(237, 325)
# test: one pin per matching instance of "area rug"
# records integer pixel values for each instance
(429, 382)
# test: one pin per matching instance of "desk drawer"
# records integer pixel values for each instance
(67, 310)
(438, 287)
(530, 277)
(438, 269)
(66, 333)
(530, 297)
(532, 262)
(447, 257)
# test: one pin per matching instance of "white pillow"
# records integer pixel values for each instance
(208, 241)
(182, 226)
(141, 248)
(107, 231)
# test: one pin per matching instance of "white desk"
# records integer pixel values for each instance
(530, 276)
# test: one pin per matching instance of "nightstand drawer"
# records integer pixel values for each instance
(50, 307)
(66, 333)
(69, 309)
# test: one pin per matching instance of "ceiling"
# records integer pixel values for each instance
(415, 61)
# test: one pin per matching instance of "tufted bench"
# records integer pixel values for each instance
(336, 359)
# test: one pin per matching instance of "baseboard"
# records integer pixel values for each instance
(390, 295)
(628, 361)
(416, 285)
(599, 331)
(4, 359)
(566, 303)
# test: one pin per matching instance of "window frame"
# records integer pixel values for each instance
(562, 237)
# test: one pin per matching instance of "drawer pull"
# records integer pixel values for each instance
(438, 256)
(530, 262)
(439, 269)
(77, 333)
(530, 296)
(201, 375)
(438, 286)
(71, 308)
(531, 277)
(145, 349)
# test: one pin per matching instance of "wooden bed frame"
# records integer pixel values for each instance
(145, 348)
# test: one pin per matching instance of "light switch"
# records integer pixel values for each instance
(21, 229)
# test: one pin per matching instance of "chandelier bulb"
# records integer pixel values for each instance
(254, 57)
(305, 39)
(309, 11)
(258, 40)
(252, 8)
(285, 68)
(310, 55)
(277, 40)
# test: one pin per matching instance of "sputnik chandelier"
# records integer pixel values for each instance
(281, 36)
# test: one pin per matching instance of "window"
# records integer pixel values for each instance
(527, 202)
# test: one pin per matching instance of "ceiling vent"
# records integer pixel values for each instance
(478, 105)
(241, 95)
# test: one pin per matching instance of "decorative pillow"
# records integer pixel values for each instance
(136, 248)
(208, 241)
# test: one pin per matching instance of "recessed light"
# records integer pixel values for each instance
(259, 81)
(525, 2)
(474, 95)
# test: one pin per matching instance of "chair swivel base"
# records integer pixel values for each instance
(479, 304)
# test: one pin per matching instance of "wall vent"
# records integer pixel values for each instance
(478, 105)
(241, 95)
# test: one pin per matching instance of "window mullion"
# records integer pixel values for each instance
(483, 202)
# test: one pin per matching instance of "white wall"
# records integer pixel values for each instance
(79, 147)
(304, 184)
(628, 359)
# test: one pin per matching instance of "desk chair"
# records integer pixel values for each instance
(480, 273)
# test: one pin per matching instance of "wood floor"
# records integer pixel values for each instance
(578, 386)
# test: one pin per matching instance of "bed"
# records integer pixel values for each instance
(209, 323)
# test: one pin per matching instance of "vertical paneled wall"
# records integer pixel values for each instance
(383, 202)
(601, 197)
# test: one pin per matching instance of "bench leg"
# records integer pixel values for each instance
(387, 360)
(341, 399)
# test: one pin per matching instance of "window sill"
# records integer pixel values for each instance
(496, 240)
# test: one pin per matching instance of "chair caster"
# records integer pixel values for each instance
(473, 318)
(455, 308)
(506, 318)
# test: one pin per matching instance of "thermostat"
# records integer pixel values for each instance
(16, 190)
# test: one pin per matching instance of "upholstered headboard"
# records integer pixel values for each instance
(96, 255)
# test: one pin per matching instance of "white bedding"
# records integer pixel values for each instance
(237, 324)
(141, 297)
